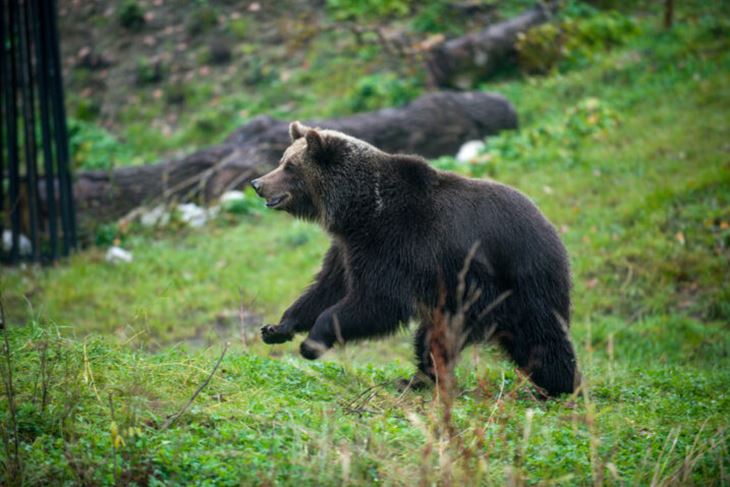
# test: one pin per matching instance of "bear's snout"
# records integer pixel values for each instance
(273, 187)
(256, 184)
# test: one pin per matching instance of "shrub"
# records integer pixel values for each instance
(202, 20)
(92, 147)
(540, 49)
(572, 41)
(219, 51)
(250, 204)
(588, 117)
(436, 17)
(238, 27)
(107, 234)
(367, 9)
(149, 71)
(175, 93)
(557, 142)
(87, 109)
(131, 15)
(382, 90)
(259, 72)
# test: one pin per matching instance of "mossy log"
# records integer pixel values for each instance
(464, 61)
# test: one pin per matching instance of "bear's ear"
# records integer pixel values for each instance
(297, 130)
(316, 145)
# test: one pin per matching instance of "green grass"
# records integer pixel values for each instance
(641, 194)
(176, 287)
(266, 418)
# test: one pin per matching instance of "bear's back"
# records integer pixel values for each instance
(513, 235)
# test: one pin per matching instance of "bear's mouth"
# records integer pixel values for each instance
(277, 200)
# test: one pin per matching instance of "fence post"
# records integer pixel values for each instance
(33, 197)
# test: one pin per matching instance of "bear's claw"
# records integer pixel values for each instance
(418, 382)
(273, 334)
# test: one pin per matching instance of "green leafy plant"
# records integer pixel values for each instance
(367, 9)
(92, 147)
(131, 15)
(435, 17)
(149, 71)
(382, 90)
(572, 41)
(239, 27)
(202, 19)
(107, 234)
(555, 140)
(250, 204)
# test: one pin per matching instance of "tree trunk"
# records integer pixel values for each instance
(435, 124)
(463, 61)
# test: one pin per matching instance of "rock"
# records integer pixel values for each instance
(116, 255)
(470, 150)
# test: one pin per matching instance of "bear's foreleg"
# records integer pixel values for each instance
(353, 318)
(329, 287)
(424, 376)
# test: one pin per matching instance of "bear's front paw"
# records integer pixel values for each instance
(274, 334)
(312, 350)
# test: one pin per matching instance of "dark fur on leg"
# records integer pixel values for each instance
(327, 289)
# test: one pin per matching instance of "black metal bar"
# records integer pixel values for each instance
(32, 114)
(3, 130)
(39, 35)
(60, 131)
(64, 139)
(12, 120)
(31, 159)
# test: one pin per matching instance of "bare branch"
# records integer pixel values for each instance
(182, 410)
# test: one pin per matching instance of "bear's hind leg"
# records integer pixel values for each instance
(552, 366)
(424, 376)
(548, 359)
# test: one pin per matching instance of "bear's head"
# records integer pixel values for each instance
(324, 175)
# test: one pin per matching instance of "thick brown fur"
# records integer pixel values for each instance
(401, 234)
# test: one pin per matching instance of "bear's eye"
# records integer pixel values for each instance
(289, 168)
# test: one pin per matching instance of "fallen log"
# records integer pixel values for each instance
(463, 61)
(433, 125)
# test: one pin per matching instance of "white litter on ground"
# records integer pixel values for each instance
(470, 150)
(156, 216)
(192, 214)
(231, 196)
(25, 247)
(117, 255)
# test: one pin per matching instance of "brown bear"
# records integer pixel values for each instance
(410, 241)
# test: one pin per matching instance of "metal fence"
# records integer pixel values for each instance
(36, 199)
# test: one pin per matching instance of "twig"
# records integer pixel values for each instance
(14, 467)
(357, 405)
(496, 403)
(182, 410)
(497, 301)
(115, 433)
(241, 320)
(89, 374)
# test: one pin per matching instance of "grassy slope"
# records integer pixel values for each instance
(642, 206)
